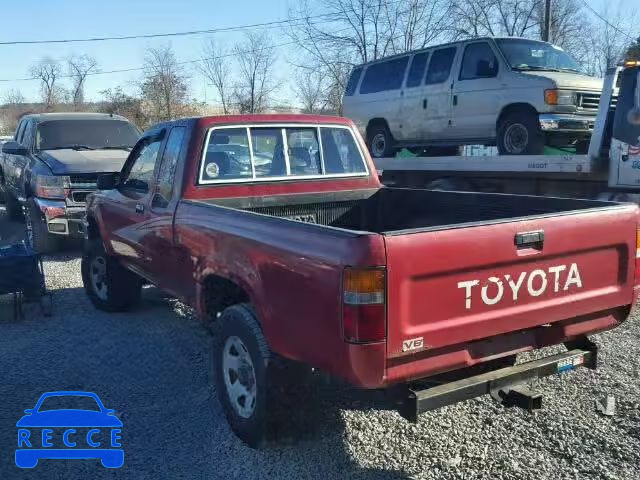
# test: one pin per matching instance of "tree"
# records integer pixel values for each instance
(358, 31)
(116, 101)
(13, 97)
(310, 89)
(633, 52)
(164, 84)
(79, 68)
(256, 83)
(216, 68)
(48, 70)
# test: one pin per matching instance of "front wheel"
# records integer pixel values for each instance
(519, 133)
(241, 364)
(109, 285)
(38, 235)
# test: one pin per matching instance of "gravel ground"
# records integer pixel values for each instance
(152, 366)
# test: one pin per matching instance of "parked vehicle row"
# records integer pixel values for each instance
(276, 230)
(51, 166)
(515, 93)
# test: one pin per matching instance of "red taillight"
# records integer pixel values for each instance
(637, 279)
(363, 305)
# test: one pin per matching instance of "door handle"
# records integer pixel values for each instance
(139, 208)
(424, 103)
(455, 100)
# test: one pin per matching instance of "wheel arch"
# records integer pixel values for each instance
(217, 292)
(377, 121)
(515, 107)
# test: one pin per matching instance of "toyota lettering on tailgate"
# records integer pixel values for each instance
(535, 283)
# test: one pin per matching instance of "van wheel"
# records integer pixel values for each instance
(109, 285)
(380, 141)
(241, 364)
(519, 134)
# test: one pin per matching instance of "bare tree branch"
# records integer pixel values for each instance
(216, 68)
(79, 68)
(47, 71)
(256, 83)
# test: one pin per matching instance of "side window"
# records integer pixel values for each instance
(478, 61)
(228, 156)
(340, 152)
(416, 71)
(382, 76)
(440, 65)
(20, 130)
(139, 174)
(353, 82)
(27, 136)
(167, 170)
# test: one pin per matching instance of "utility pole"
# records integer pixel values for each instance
(546, 32)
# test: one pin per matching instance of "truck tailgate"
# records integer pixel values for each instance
(450, 286)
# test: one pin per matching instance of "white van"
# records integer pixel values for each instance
(515, 93)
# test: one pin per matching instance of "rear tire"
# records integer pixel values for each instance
(519, 133)
(380, 141)
(241, 364)
(109, 286)
(37, 233)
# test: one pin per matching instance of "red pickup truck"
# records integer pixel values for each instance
(277, 229)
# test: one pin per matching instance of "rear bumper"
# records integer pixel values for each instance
(566, 123)
(420, 401)
(61, 219)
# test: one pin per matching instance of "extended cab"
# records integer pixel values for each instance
(53, 163)
(277, 229)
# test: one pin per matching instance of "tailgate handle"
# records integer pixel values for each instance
(530, 240)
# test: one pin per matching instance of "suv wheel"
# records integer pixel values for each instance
(109, 285)
(519, 134)
(241, 362)
(380, 141)
(38, 235)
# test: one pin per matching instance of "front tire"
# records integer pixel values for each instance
(109, 286)
(380, 141)
(38, 235)
(241, 363)
(519, 133)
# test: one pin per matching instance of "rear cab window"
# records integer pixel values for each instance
(280, 152)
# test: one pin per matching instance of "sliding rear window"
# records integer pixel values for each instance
(266, 153)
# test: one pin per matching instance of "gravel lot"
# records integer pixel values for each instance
(152, 367)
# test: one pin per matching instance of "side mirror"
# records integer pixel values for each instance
(14, 148)
(108, 181)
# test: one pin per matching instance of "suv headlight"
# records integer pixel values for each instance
(52, 186)
(555, 96)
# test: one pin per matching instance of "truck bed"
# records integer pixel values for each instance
(392, 211)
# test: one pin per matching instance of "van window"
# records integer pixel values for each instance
(440, 65)
(479, 61)
(383, 76)
(416, 71)
(353, 82)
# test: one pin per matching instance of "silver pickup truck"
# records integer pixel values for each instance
(511, 92)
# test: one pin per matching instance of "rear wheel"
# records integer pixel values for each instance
(38, 235)
(109, 285)
(241, 364)
(519, 133)
(380, 141)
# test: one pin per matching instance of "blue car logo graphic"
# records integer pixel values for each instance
(69, 433)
